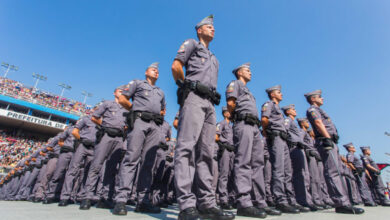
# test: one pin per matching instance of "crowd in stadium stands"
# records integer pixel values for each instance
(14, 148)
(17, 90)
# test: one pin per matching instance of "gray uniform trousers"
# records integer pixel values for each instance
(196, 134)
(364, 190)
(158, 173)
(23, 185)
(214, 183)
(315, 181)
(82, 157)
(225, 179)
(332, 167)
(378, 189)
(142, 147)
(108, 151)
(281, 171)
(55, 184)
(30, 183)
(43, 186)
(13, 186)
(324, 186)
(301, 177)
(352, 190)
(248, 165)
(38, 183)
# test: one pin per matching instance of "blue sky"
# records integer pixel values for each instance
(341, 47)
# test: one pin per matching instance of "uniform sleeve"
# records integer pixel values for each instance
(100, 110)
(313, 114)
(80, 124)
(169, 132)
(266, 110)
(64, 135)
(185, 51)
(219, 128)
(131, 88)
(177, 115)
(232, 90)
(163, 103)
(365, 161)
(350, 158)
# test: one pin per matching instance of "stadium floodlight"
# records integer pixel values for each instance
(63, 86)
(387, 133)
(86, 94)
(38, 77)
(8, 67)
(388, 154)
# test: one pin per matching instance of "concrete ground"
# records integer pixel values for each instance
(36, 211)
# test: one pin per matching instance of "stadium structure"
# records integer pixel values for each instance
(27, 115)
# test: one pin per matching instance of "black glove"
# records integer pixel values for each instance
(327, 144)
(215, 158)
(229, 148)
(335, 138)
(163, 146)
(378, 172)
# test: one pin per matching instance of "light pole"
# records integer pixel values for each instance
(86, 94)
(38, 77)
(8, 67)
(387, 133)
(63, 86)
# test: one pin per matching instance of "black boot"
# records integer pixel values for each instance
(370, 204)
(85, 204)
(251, 212)
(131, 202)
(385, 203)
(120, 209)
(226, 206)
(349, 210)
(63, 202)
(37, 200)
(272, 211)
(301, 208)
(49, 201)
(147, 208)
(104, 204)
(215, 213)
(189, 214)
(287, 209)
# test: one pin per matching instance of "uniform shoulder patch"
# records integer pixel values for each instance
(230, 87)
(218, 126)
(265, 106)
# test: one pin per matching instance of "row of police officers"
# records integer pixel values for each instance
(123, 154)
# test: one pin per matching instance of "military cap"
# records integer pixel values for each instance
(245, 65)
(207, 20)
(287, 107)
(301, 120)
(316, 92)
(153, 65)
(122, 87)
(277, 87)
(224, 109)
(346, 146)
(363, 148)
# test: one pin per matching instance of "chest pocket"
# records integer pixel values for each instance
(202, 56)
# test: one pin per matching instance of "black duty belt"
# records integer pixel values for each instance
(66, 149)
(201, 90)
(248, 119)
(274, 133)
(148, 117)
(113, 132)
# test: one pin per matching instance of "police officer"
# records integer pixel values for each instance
(300, 175)
(249, 157)
(275, 132)
(359, 172)
(85, 132)
(143, 138)
(374, 171)
(110, 118)
(326, 139)
(226, 161)
(66, 142)
(196, 96)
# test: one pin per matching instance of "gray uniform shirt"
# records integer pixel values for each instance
(201, 65)
(367, 160)
(225, 132)
(245, 101)
(314, 113)
(166, 130)
(272, 111)
(145, 97)
(112, 114)
(87, 129)
(295, 134)
(68, 137)
(351, 158)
